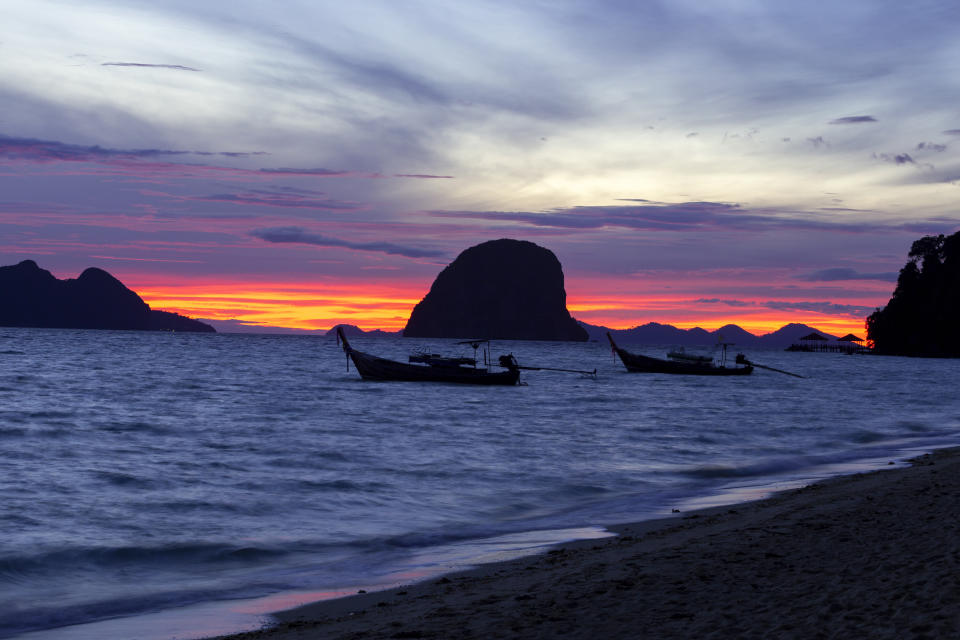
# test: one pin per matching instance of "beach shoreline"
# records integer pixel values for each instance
(873, 554)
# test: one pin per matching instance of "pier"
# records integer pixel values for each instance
(817, 343)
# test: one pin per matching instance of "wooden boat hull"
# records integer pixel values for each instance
(375, 368)
(636, 363)
(644, 364)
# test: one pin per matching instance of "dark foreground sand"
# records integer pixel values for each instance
(873, 555)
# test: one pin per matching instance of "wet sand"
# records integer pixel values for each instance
(873, 555)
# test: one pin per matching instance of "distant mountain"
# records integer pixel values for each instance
(656, 333)
(239, 326)
(791, 333)
(353, 330)
(651, 333)
(733, 333)
(33, 297)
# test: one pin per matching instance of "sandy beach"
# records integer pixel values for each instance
(874, 555)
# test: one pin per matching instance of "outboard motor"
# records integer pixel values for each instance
(509, 362)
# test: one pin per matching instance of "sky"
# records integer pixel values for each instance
(303, 163)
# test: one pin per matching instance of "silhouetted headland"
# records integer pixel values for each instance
(923, 314)
(502, 289)
(34, 297)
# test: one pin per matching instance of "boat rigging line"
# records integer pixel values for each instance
(741, 359)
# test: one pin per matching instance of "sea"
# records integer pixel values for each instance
(158, 485)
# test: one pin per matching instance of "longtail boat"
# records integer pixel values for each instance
(697, 366)
(429, 368)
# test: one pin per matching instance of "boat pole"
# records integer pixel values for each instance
(743, 360)
(795, 375)
(588, 373)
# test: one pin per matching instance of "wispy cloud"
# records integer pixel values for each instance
(853, 120)
(35, 150)
(177, 67)
(319, 172)
(895, 158)
(287, 198)
(340, 173)
(155, 161)
(299, 235)
(655, 216)
(727, 302)
(128, 259)
(843, 273)
(826, 308)
(418, 175)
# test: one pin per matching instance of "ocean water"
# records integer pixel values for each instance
(160, 485)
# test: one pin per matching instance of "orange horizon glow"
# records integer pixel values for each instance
(288, 305)
(316, 307)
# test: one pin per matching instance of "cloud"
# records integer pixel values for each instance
(127, 259)
(34, 150)
(930, 146)
(340, 173)
(657, 216)
(177, 67)
(843, 273)
(853, 120)
(826, 308)
(818, 142)
(895, 158)
(299, 235)
(417, 175)
(729, 303)
(280, 197)
(952, 132)
(389, 79)
(333, 173)
(154, 161)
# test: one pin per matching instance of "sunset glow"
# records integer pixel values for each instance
(286, 305)
(295, 306)
(319, 165)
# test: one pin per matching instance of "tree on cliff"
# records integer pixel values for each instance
(923, 316)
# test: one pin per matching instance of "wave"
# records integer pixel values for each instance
(119, 426)
(51, 413)
(26, 619)
(876, 446)
(126, 480)
(73, 559)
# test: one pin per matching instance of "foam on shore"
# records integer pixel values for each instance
(866, 555)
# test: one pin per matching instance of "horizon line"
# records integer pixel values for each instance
(255, 328)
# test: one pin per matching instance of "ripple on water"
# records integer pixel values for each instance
(267, 441)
